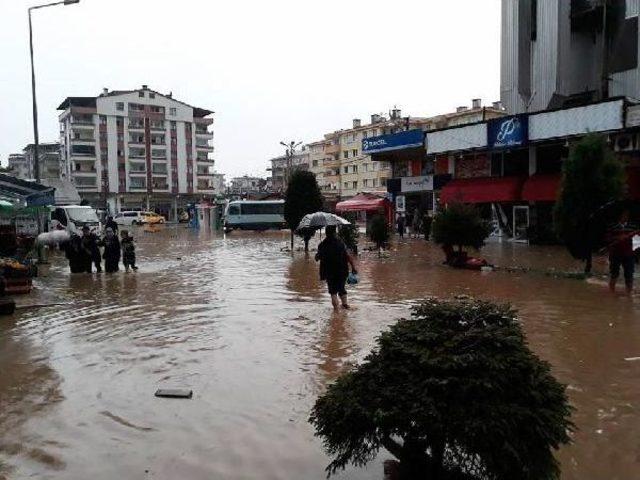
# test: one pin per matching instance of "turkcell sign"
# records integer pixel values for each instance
(393, 141)
(508, 132)
(417, 184)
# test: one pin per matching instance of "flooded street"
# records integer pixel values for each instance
(250, 329)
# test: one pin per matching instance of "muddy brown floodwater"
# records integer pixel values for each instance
(249, 328)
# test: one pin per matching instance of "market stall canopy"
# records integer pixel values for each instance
(363, 202)
(30, 194)
(542, 188)
(483, 190)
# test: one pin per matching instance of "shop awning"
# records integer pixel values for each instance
(363, 202)
(542, 188)
(482, 190)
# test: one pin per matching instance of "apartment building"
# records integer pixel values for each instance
(137, 149)
(282, 166)
(246, 184)
(22, 165)
(557, 54)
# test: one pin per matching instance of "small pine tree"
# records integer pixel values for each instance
(592, 177)
(379, 231)
(460, 225)
(303, 196)
(452, 393)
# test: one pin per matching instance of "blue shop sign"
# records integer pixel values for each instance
(508, 132)
(393, 141)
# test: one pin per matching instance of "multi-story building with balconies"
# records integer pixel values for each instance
(283, 166)
(137, 149)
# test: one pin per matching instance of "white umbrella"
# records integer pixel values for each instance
(321, 220)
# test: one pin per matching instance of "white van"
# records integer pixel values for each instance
(73, 217)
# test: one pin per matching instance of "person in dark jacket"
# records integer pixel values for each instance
(75, 254)
(128, 251)
(400, 225)
(111, 224)
(621, 254)
(111, 253)
(334, 266)
(91, 252)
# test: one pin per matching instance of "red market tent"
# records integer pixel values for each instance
(542, 188)
(367, 202)
(482, 190)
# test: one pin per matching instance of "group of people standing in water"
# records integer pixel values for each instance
(83, 251)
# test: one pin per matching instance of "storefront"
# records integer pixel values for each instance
(511, 167)
(413, 181)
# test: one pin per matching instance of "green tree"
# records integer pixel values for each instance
(379, 231)
(592, 178)
(452, 393)
(349, 234)
(460, 225)
(303, 196)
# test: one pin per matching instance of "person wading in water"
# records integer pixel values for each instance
(620, 240)
(111, 253)
(334, 266)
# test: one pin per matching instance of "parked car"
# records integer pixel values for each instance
(152, 218)
(129, 218)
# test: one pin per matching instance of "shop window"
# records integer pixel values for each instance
(496, 164)
(516, 163)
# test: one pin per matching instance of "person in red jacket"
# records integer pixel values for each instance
(620, 246)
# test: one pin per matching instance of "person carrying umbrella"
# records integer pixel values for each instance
(334, 266)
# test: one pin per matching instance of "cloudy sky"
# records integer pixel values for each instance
(272, 70)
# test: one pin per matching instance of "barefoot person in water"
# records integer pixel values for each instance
(334, 266)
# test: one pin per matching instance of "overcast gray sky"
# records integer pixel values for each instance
(271, 70)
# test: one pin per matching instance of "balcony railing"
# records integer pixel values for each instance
(82, 121)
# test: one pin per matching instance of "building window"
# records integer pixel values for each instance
(383, 182)
(365, 134)
(120, 106)
(173, 125)
(141, 94)
(355, 185)
(119, 122)
(354, 169)
(346, 169)
(346, 184)
(354, 152)
(172, 111)
(152, 95)
(354, 136)
(365, 183)
(374, 182)
(103, 120)
(345, 154)
(315, 163)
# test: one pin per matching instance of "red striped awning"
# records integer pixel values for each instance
(482, 190)
(363, 202)
(542, 187)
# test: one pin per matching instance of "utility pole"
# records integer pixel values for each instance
(36, 140)
(604, 85)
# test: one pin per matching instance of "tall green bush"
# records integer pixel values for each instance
(592, 178)
(303, 196)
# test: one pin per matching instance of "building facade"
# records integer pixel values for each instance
(23, 164)
(246, 185)
(557, 54)
(137, 149)
(283, 166)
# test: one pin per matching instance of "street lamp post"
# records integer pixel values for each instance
(36, 153)
(291, 149)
